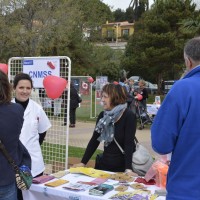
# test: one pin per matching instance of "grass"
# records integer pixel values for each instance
(78, 152)
(57, 152)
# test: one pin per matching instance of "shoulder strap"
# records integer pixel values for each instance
(119, 146)
(136, 141)
(7, 156)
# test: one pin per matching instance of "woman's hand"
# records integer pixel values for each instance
(78, 165)
(130, 172)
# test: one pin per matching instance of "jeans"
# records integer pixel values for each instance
(8, 192)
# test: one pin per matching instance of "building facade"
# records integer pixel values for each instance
(117, 31)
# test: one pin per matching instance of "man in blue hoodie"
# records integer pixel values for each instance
(176, 129)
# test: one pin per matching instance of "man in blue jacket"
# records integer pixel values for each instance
(176, 129)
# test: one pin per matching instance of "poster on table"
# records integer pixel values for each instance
(157, 100)
(39, 68)
(100, 82)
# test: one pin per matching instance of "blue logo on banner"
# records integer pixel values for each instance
(28, 62)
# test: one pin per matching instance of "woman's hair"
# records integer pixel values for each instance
(117, 93)
(5, 89)
(21, 76)
(143, 82)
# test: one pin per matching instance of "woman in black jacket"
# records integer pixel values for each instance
(118, 123)
(74, 101)
(11, 121)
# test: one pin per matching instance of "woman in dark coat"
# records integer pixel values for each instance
(74, 101)
(115, 123)
(11, 121)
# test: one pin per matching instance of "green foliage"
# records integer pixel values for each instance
(191, 26)
(155, 51)
(119, 15)
(95, 12)
(139, 7)
(106, 62)
(53, 28)
(129, 15)
(78, 152)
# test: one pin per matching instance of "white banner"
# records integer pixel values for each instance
(38, 69)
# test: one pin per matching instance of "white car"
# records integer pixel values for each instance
(151, 88)
(135, 78)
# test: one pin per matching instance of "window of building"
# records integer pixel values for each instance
(110, 33)
(125, 32)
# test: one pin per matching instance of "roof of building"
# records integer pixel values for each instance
(124, 23)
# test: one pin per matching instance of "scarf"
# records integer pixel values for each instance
(105, 125)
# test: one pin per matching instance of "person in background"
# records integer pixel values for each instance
(11, 121)
(142, 91)
(131, 87)
(176, 128)
(116, 121)
(124, 82)
(36, 123)
(74, 103)
(162, 87)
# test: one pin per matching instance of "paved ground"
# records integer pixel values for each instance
(81, 134)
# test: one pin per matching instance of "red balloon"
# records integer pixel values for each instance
(90, 79)
(54, 86)
(115, 82)
(4, 68)
(139, 97)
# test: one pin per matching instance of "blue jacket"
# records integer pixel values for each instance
(176, 129)
(11, 121)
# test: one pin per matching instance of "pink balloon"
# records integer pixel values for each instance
(54, 86)
(115, 82)
(90, 79)
(4, 68)
(139, 97)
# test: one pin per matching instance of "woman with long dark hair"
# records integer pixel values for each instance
(11, 121)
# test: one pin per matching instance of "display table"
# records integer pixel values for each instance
(42, 192)
(152, 109)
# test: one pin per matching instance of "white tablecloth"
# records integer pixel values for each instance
(42, 192)
(152, 109)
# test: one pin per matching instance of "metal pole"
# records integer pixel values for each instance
(116, 33)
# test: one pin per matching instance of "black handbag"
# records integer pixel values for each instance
(23, 173)
(98, 161)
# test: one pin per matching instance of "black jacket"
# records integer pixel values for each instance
(125, 129)
(11, 121)
(74, 97)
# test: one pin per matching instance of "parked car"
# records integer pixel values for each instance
(151, 88)
(135, 78)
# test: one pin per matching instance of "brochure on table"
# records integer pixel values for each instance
(79, 186)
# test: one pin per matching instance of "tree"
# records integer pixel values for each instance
(129, 15)
(155, 51)
(191, 25)
(53, 28)
(106, 62)
(119, 15)
(139, 7)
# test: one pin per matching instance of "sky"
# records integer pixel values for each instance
(123, 4)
